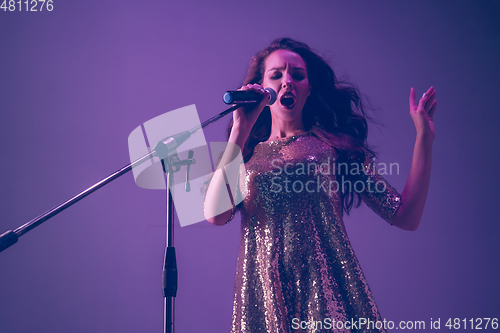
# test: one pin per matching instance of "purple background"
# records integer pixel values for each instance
(76, 81)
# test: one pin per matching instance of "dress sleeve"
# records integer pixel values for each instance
(378, 194)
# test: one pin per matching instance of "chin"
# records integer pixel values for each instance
(287, 114)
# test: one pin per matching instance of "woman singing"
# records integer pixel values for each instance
(307, 162)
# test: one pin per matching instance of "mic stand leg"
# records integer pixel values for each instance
(170, 264)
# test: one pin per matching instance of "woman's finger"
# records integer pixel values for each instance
(258, 88)
(255, 87)
(430, 100)
(425, 98)
(433, 109)
(413, 104)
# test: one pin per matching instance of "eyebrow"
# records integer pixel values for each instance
(280, 68)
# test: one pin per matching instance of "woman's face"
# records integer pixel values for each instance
(286, 73)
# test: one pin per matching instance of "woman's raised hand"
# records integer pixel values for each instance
(245, 117)
(422, 113)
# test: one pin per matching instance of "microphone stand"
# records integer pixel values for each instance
(170, 163)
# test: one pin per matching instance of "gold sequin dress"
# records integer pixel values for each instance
(296, 267)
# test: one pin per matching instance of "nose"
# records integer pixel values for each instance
(287, 81)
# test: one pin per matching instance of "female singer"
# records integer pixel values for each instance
(296, 268)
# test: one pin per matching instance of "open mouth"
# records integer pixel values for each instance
(288, 101)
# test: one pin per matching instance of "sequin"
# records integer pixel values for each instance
(295, 261)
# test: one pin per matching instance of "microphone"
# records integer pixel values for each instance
(248, 96)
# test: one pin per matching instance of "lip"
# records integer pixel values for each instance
(287, 95)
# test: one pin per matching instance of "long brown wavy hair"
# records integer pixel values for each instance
(334, 111)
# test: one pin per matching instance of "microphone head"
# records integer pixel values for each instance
(228, 98)
(272, 96)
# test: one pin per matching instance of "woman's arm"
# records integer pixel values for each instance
(416, 187)
(217, 189)
(243, 121)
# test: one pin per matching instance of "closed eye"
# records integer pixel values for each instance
(275, 76)
(298, 76)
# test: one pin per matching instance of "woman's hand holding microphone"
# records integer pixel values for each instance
(245, 117)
